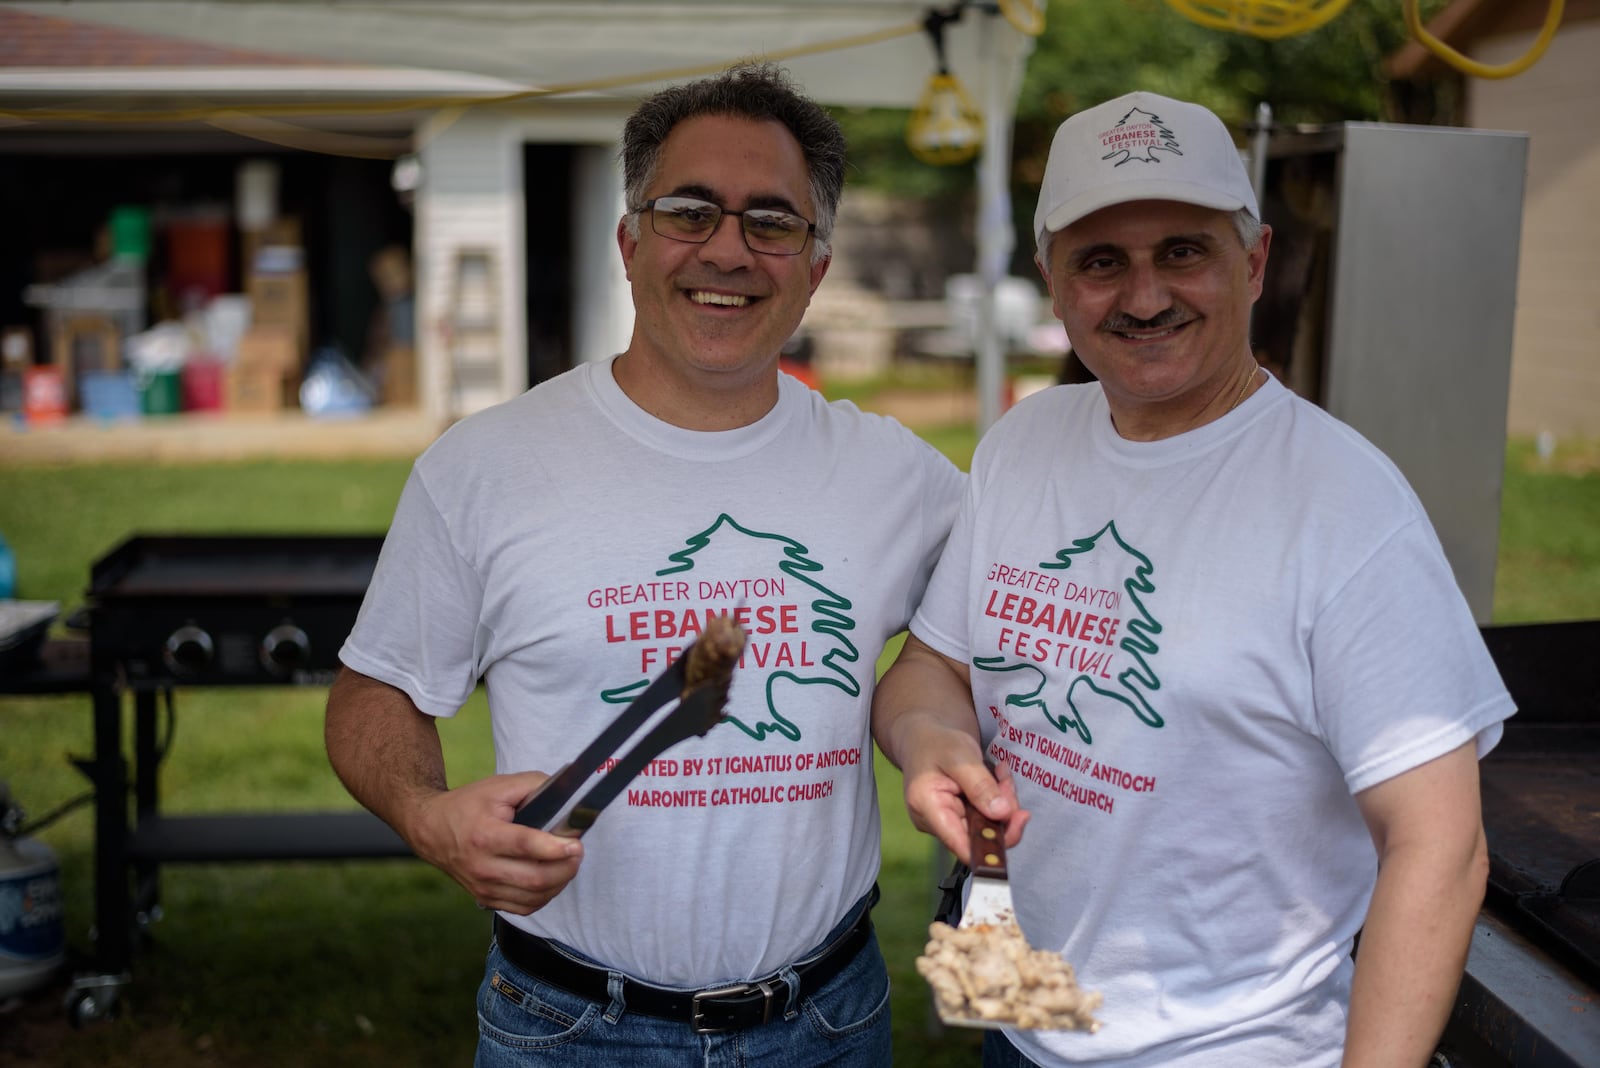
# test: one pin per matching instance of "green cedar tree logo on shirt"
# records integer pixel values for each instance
(830, 620)
(1086, 698)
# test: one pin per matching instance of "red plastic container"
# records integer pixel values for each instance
(197, 258)
(44, 395)
(204, 385)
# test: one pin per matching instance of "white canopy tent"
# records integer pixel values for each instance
(432, 55)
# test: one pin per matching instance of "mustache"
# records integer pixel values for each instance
(1120, 322)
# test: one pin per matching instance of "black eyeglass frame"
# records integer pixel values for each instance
(648, 208)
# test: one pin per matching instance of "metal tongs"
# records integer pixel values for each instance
(698, 680)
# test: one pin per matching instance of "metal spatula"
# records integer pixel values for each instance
(988, 895)
(989, 891)
(989, 905)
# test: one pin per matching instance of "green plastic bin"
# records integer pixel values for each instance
(160, 392)
(130, 232)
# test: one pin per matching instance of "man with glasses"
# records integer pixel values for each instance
(776, 233)
(565, 546)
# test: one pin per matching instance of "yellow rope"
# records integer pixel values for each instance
(1465, 65)
(1282, 18)
(1268, 19)
(1025, 16)
(326, 142)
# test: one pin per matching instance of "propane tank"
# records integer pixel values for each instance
(33, 943)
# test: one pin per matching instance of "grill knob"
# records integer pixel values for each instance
(285, 648)
(188, 651)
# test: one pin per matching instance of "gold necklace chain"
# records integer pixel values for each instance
(1249, 379)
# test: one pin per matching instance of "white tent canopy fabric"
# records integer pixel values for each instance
(847, 53)
(861, 52)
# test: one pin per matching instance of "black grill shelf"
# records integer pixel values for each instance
(265, 837)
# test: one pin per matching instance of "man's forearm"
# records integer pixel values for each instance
(387, 752)
(920, 685)
(923, 721)
(1409, 964)
(383, 748)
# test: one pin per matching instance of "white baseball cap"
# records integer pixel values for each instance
(1141, 146)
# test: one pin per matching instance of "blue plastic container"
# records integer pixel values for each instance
(109, 395)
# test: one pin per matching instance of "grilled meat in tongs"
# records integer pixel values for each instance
(698, 680)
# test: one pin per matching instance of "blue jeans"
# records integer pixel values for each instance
(999, 1053)
(524, 1023)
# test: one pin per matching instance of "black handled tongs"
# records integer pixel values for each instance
(698, 680)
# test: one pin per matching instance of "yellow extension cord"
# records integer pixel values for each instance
(1466, 65)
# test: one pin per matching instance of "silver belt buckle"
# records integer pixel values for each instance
(697, 1012)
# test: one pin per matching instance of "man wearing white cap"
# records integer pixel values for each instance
(1208, 639)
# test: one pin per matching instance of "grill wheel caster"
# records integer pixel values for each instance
(92, 1004)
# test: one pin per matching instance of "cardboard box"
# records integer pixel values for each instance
(283, 231)
(256, 388)
(400, 376)
(265, 374)
(268, 345)
(277, 287)
(280, 300)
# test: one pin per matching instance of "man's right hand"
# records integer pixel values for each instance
(923, 721)
(387, 753)
(468, 834)
(944, 769)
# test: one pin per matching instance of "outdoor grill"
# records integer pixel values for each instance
(165, 612)
(1531, 995)
(227, 610)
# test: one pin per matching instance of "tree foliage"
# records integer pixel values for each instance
(1093, 50)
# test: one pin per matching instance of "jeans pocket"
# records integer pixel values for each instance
(855, 1000)
(518, 1012)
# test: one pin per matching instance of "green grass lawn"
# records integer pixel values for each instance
(349, 963)
(375, 963)
(1549, 562)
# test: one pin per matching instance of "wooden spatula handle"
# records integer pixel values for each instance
(988, 841)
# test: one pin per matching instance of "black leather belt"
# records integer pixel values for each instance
(725, 1008)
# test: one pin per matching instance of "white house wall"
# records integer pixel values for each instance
(602, 319)
(1555, 372)
(472, 198)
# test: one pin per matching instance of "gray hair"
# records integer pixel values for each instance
(1248, 227)
(757, 91)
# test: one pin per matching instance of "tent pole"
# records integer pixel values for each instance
(1003, 54)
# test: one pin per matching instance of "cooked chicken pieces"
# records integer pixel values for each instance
(714, 655)
(987, 973)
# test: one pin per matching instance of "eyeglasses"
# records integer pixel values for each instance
(692, 220)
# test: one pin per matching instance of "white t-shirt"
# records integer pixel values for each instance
(1192, 653)
(565, 546)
